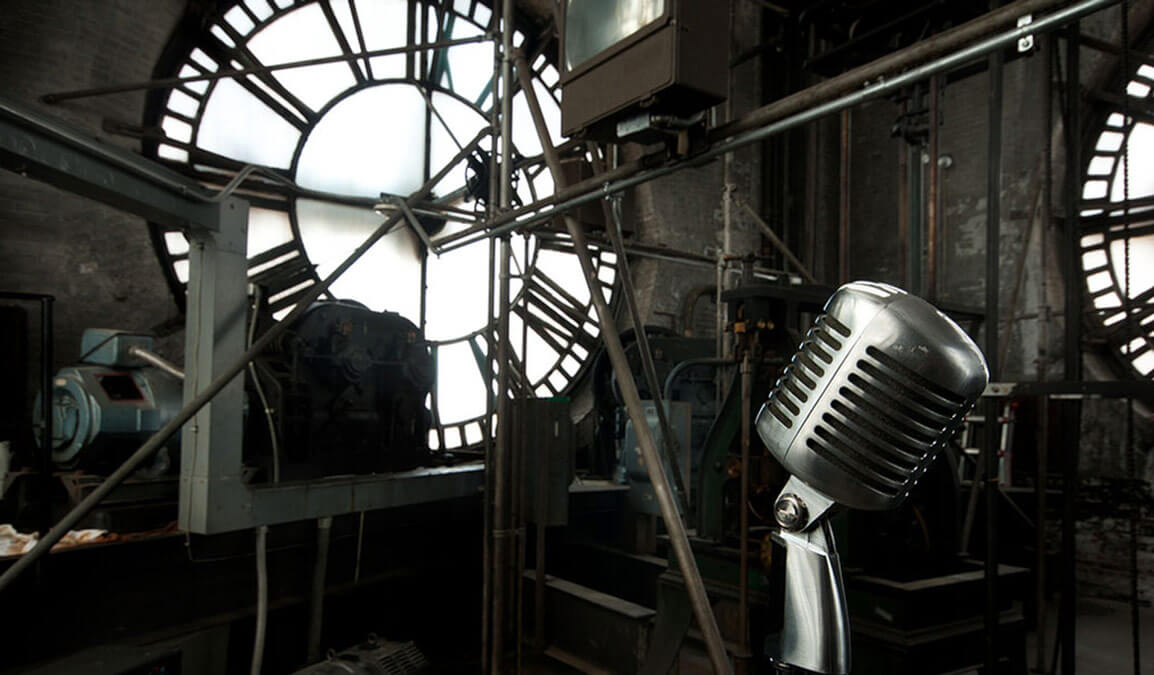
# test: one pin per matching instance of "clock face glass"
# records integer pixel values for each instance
(346, 134)
(1106, 238)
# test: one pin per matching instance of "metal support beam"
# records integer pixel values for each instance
(1071, 412)
(669, 442)
(821, 100)
(993, 407)
(501, 468)
(167, 82)
(678, 539)
(238, 506)
(37, 146)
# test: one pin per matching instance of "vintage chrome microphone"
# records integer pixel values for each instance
(880, 384)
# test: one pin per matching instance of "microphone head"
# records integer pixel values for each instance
(880, 384)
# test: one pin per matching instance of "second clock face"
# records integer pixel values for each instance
(346, 132)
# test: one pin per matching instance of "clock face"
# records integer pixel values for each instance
(344, 133)
(1106, 239)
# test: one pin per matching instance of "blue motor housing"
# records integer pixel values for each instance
(101, 411)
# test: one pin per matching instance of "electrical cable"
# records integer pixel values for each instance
(268, 412)
(261, 600)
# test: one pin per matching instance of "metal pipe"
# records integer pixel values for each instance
(993, 287)
(777, 242)
(613, 227)
(689, 363)
(904, 169)
(844, 197)
(539, 553)
(261, 600)
(743, 544)
(47, 356)
(653, 166)
(487, 496)
(164, 83)
(490, 379)
(414, 223)
(317, 606)
(501, 487)
(882, 68)
(678, 539)
(1068, 610)
(1043, 462)
(145, 451)
(156, 360)
(933, 192)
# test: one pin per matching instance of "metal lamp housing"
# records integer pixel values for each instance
(675, 64)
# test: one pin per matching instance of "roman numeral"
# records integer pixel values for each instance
(335, 27)
(285, 103)
(288, 279)
(555, 315)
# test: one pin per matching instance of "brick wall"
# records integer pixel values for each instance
(97, 261)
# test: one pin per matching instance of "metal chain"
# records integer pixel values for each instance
(1131, 464)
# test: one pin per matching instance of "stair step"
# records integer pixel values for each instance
(610, 634)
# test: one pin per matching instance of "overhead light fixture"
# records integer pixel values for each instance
(635, 65)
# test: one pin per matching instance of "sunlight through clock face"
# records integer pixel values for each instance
(1105, 235)
(347, 132)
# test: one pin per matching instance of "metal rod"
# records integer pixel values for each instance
(669, 443)
(689, 363)
(261, 600)
(414, 223)
(156, 360)
(501, 469)
(317, 606)
(1073, 350)
(882, 68)
(873, 74)
(47, 356)
(543, 458)
(490, 380)
(652, 167)
(743, 543)
(933, 191)
(993, 287)
(777, 242)
(487, 497)
(678, 539)
(145, 451)
(904, 169)
(164, 83)
(1043, 461)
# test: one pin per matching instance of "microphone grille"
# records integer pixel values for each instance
(877, 387)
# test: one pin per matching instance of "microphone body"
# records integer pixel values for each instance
(878, 387)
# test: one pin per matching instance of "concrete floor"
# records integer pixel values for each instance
(1104, 643)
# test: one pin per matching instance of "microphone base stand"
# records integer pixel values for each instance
(815, 632)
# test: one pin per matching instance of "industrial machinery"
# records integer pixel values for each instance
(111, 401)
(373, 657)
(346, 390)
